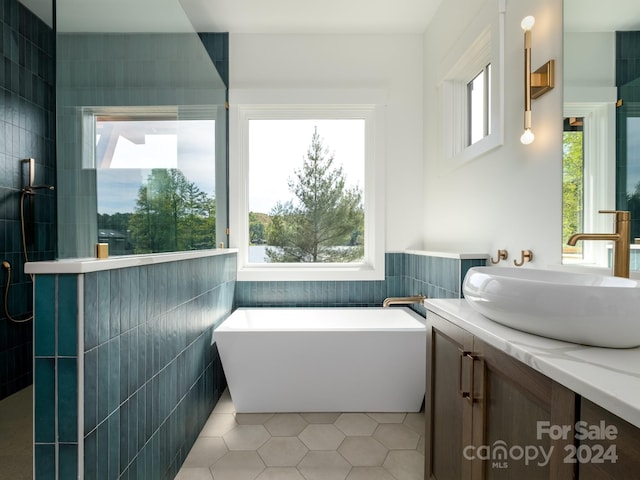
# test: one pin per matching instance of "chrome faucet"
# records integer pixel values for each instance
(403, 300)
(621, 241)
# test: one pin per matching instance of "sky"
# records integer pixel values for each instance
(278, 147)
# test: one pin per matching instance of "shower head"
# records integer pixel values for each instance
(6, 265)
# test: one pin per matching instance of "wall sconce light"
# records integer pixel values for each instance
(537, 83)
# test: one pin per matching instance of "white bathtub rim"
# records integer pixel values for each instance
(239, 322)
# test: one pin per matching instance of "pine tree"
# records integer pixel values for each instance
(325, 221)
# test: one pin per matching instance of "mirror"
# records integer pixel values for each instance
(141, 129)
(601, 150)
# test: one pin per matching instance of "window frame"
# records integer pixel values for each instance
(486, 104)
(87, 134)
(481, 45)
(372, 266)
(598, 150)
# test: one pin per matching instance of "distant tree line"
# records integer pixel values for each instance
(171, 214)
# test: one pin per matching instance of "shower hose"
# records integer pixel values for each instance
(7, 266)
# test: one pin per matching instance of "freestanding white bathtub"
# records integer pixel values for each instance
(324, 359)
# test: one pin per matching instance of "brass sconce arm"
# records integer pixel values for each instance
(537, 83)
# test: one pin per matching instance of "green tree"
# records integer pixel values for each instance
(633, 205)
(325, 220)
(572, 184)
(258, 224)
(172, 214)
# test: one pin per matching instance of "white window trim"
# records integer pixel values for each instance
(475, 50)
(599, 153)
(372, 267)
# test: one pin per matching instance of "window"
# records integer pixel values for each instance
(472, 91)
(588, 179)
(572, 186)
(311, 206)
(479, 106)
(155, 174)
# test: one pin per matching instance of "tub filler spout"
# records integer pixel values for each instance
(403, 300)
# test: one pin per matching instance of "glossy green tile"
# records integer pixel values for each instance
(45, 320)
(44, 400)
(67, 315)
(67, 400)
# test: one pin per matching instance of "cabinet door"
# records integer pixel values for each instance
(519, 408)
(448, 407)
(609, 447)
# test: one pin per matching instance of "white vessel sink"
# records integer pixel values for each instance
(590, 309)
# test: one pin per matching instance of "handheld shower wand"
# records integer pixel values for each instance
(27, 191)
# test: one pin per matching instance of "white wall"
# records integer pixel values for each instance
(392, 63)
(510, 197)
(595, 69)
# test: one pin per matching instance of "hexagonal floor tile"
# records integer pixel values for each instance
(388, 417)
(282, 452)
(224, 405)
(369, 473)
(205, 452)
(238, 465)
(246, 437)
(415, 421)
(218, 424)
(252, 418)
(279, 473)
(193, 474)
(356, 424)
(285, 424)
(317, 465)
(363, 451)
(321, 417)
(396, 436)
(405, 464)
(321, 437)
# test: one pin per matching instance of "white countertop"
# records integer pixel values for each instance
(606, 376)
(86, 265)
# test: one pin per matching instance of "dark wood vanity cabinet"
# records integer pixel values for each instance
(488, 415)
(613, 451)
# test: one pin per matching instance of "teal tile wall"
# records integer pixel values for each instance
(405, 274)
(27, 104)
(150, 373)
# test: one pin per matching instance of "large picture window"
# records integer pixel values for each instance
(155, 174)
(312, 195)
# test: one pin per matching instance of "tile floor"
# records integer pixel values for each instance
(16, 436)
(306, 446)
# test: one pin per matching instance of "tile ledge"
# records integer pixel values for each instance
(86, 265)
(455, 255)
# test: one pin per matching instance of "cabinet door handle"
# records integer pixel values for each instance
(468, 393)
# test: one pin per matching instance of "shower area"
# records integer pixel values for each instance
(27, 214)
(106, 76)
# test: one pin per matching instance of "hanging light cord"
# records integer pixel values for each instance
(7, 265)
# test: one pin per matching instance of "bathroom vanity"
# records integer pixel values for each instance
(506, 404)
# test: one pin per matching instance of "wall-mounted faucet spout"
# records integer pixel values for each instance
(621, 241)
(403, 300)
